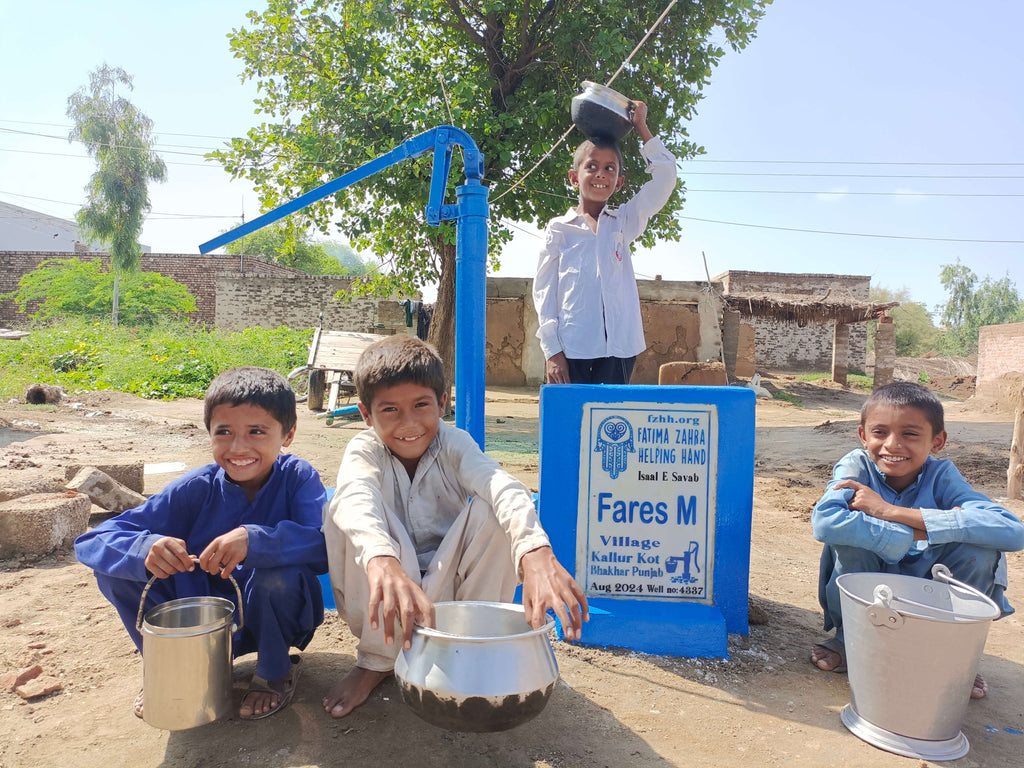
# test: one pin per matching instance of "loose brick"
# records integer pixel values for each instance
(39, 686)
(104, 491)
(11, 680)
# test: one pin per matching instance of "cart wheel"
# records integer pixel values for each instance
(300, 383)
(317, 383)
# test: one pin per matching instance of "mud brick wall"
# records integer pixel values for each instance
(787, 346)
(197, 272)
(1000, 352)
(680, 324)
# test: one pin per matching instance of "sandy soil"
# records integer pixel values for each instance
(764, 706)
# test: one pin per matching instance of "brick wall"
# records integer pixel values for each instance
(197, 272)
(1000, 351)
(788, 346)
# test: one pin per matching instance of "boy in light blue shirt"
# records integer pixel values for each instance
(892, 507)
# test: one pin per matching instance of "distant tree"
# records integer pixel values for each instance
(916, 335)
(287, 243)
(354, 266)
(119, 137)
(75, 288)
(971, 306)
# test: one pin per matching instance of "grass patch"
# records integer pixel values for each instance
(786, 396)
(162, 362)
(854, 379)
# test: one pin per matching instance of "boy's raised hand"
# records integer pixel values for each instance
(546, 584)
(225, 552)
(167, 557)
(640, 120)
(394, 595)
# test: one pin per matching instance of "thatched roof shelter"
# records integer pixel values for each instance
(802, 310)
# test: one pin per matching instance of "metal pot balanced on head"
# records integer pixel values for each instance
(482, 668)
(602, 113)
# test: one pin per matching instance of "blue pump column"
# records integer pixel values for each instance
(471, 308)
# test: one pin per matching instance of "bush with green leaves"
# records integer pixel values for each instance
(62, 288)
(167, 360)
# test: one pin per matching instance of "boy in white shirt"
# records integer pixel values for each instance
(422, 515)
(585, 291)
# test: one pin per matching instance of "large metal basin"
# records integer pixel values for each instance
(482, 668)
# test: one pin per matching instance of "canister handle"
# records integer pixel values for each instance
(145, 591)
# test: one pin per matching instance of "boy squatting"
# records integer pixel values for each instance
(422, 515)
(253, 514)
(892, 507)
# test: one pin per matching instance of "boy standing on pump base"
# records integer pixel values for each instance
(254, 514)
(422, 515)
(585, 292)
(891, 507)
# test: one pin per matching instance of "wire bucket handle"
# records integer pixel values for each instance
(145, 591)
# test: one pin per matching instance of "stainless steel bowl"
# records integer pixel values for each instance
(602, 113)
(482, 668)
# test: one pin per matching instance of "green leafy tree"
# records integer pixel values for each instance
(916, 334)
(342, 82)
(972, 305)
(119, 137)
(61, 288)
(288, 244)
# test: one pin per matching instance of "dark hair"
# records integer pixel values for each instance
(906, 394)
(398, 359)
(601, 143)
(250, 385)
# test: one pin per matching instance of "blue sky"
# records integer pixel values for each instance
(878, 137)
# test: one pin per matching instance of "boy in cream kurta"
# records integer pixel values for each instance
(422, 515)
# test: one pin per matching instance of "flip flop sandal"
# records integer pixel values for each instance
(137, 705)
(284, 690)
(836, 646)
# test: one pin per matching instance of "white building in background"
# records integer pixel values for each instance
(22, 229)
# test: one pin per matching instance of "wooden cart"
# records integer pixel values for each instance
(332, 361)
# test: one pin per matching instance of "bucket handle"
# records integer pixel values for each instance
(880, 613)
(941, 572)
(145, 591)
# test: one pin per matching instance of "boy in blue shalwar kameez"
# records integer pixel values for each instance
(892, 507)
(254, 514)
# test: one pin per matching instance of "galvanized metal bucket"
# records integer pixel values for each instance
(912, 650)
(186, 659)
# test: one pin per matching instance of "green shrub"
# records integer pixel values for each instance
(167, 360)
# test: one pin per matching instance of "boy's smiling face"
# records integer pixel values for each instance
(899, 440)
(246, 442)
(597, 175)
(406, 418)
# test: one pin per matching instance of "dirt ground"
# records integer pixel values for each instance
(763, 706)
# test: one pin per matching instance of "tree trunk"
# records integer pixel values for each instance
(442, 324)
(117, 286)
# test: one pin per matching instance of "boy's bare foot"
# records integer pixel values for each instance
(980, 687)
(353, 690)
(829, 656)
